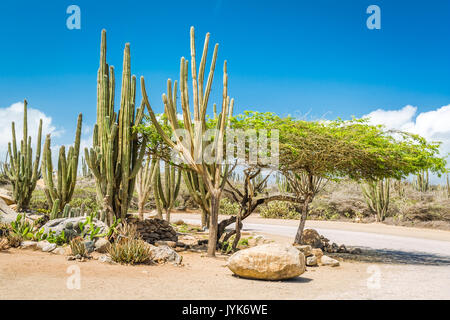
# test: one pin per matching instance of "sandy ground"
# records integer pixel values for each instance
(26, 274)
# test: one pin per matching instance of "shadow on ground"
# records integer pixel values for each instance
(395, 257)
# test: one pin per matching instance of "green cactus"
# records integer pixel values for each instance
(448, 187)
(67, 170)
(199, 192)
(377, 197)
(117, 152)
(422, 181)
(85, 171)
(144, 183)
(166, 195)
(21, 171)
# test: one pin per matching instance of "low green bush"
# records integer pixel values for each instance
(279, 210)
(228, 207)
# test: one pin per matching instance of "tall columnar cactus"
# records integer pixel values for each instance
(422, 181)
(448, 187)
(21, 171)
(376, 194)
(190, 147)
(165, 195)
(67, 170)
(85, 171)
(117, 151)
(144, 183)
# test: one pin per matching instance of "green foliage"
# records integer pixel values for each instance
(279, 210)
(22, 227)
(21, 171)
(130, 251)
(228, 207)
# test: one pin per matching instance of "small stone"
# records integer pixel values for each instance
(42, 244)
(59, 251)
(50, 247)
(102, 245)
(355, 251)
(90, 246)
(171, 244)
(318, 253)
(105, 258)
(311, 261)
(327, 261)
(342, 249)
(29, 245)
(70, 258)
(305, 249)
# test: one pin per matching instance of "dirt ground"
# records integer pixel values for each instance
(26, 274)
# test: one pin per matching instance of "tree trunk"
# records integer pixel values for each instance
(168, 215)
(213, 226)
(304, 215)
(141, 210)
(205, 220)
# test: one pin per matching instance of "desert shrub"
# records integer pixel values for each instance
(228, 207)
(78, 247)
(39, 201)
(14, 240)
(86, 196)
(130, 251)
(3, 243)
(126, 231)
(279, 209)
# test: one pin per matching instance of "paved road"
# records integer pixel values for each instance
(410, 248)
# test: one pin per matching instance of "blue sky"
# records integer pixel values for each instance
(313, 58)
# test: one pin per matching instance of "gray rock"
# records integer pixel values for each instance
(50, 247)
(104, 258)
(305, 249)
(29, 245)
(102, 245)
(311, 261)
(90, 246)
(355, 251)
(42, 244)
(7, 215)
(171, 244)
(327, 261)
(162, 254)
(69, 224)
(59, 251)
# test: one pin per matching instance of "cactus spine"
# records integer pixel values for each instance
(21, 171)
(144, 183)
(67, 170)
(117, 153)
(166, 195)
(376, 194)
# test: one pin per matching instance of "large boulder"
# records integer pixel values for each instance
(268, 262)
(7, 215)
(71, 225)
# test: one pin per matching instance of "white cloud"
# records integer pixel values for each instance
(15, 113)
(433, 125)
